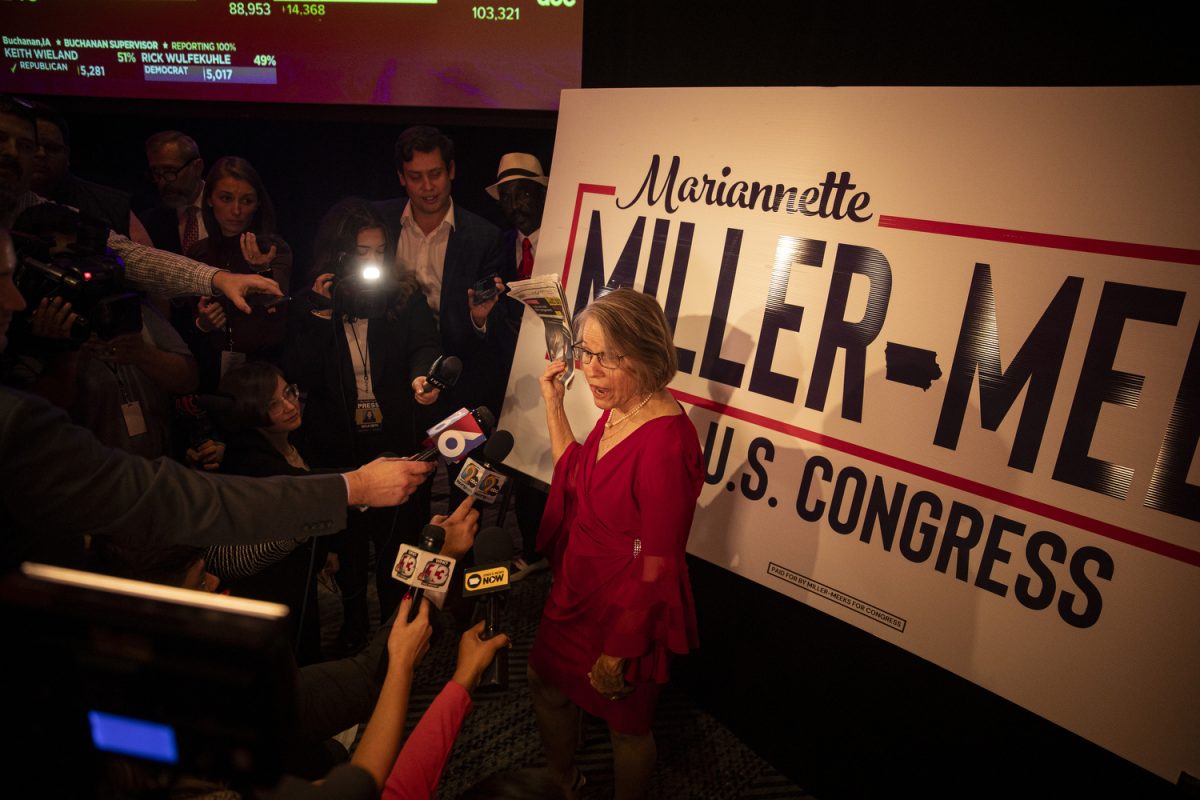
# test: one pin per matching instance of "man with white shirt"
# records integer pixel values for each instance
(449, 250)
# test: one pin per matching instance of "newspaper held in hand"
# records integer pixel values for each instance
(545, 295)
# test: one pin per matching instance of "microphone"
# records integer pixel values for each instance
(421, 567)
(486, 419)
(444, 372)
(482, 478)
(457, 435)
(486, 580)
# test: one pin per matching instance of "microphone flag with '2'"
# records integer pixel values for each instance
(423, 567)
(486, 580)
(459, 434)
(481, 477)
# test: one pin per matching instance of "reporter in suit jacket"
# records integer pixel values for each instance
(448, 249)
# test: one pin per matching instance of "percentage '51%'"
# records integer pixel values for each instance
(265, 60)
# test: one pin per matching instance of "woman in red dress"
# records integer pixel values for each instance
(615, 529)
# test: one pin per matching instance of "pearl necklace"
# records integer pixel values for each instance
(610, 424)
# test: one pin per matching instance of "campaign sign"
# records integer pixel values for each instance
(940, 349)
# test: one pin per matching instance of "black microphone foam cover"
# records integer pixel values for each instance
(498, 446)
(493, 546)
(449, 369)
(432, 538)
(486, 420)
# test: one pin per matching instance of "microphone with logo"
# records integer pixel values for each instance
(423, 567)
(493, 552)
(443, 373)
(481, 477)
(456, 435)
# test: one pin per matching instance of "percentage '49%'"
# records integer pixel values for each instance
(264, 60)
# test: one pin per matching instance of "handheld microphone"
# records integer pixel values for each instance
(482, 478)
(421, 566)
(486, 419)
(457, 435)
(486, 580)
(444, 372)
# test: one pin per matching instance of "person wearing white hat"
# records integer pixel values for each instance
(520, 189)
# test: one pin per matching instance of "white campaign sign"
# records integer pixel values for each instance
(940, 347)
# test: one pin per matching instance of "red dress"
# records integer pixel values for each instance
(615, 531)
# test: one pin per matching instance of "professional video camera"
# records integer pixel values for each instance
(62, 253)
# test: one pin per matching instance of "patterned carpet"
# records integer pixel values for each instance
(697, 757)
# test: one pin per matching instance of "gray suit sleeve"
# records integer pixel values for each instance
(57, 481)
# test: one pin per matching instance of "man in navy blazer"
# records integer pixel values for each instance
(449, 250)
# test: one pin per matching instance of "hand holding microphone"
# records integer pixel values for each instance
(443, 374)
(385, 482)
(422, 567)
(460, 528)
(476, 654)
(489, 577)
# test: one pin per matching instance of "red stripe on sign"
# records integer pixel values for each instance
(1148, 252)
(584, 188)
(1105, 529)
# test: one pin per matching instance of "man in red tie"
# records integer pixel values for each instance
(520, 189)
(178, 173)
(176, 223)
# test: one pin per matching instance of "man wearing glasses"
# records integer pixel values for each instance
(178, 174)
(151, 270)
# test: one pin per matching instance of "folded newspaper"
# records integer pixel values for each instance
(545, 295)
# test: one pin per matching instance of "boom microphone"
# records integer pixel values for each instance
(493, 551)
(482, 478)
(444, 372)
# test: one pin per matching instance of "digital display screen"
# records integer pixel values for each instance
(439, 53)
(133, 737)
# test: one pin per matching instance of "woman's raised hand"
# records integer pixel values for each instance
(254, 257)
(551, 384)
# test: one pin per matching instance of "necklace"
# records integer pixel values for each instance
(610, 424)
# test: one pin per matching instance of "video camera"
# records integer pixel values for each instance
(360, 290)
(63, 253)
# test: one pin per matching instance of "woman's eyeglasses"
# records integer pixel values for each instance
(606, 360)
(291, 393)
